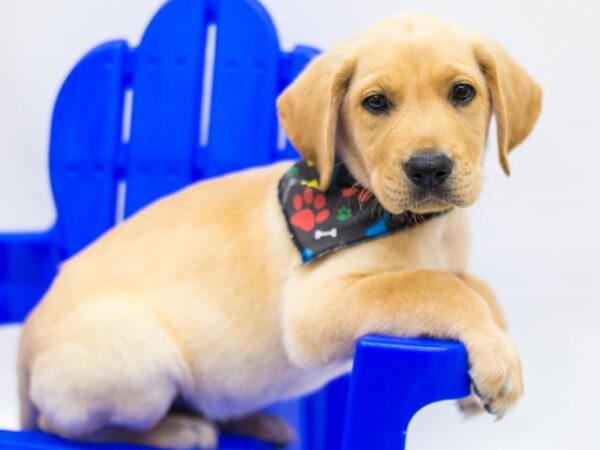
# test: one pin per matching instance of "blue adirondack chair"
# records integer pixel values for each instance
(184, 128)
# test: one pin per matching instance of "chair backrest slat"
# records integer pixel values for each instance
(165, 74)
(85, 145)
(243, 122)
(167, 82)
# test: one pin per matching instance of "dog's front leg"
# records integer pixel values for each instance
(486, 293)
(471, 405)
(324, 318)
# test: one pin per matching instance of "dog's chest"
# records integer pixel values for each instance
(440, 244)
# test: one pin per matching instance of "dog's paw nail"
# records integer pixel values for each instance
(496, 373)
(470, 406)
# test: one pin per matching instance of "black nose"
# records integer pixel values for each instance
(428, 169)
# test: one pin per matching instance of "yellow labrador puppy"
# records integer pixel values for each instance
(203, 299)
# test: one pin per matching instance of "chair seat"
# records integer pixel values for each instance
(41, 441)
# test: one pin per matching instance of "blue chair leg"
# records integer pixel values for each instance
(392, 379)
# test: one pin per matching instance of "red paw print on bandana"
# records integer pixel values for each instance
(363, 194)
(309, 210)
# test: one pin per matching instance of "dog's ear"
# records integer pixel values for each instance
(516, 97)
(309, 108)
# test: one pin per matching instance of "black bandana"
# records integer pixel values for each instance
(344, 215)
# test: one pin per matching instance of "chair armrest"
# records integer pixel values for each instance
(28, 263)
(392, 379)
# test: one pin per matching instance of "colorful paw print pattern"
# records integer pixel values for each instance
(310, 210)
(343, 213)
(346, 214)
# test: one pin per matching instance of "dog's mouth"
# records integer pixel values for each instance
(439, 195)
(419, 200)
(421, 205)
(431, 202)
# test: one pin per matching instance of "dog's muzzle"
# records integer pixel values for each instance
(429, 172)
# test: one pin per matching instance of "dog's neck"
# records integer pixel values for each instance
(344, 215)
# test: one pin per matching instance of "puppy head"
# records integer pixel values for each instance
(406, 104)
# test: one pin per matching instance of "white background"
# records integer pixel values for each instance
(536, 235)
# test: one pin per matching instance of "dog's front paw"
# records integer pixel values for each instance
(495, 370)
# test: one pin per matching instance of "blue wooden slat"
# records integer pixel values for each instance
(28, 262)
(322, 421)
(85, 140)
(294, 63)
(167, 83)
(243, 124)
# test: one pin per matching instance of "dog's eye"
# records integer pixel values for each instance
(462, 94)
(376, 104)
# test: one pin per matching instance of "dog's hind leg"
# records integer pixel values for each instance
(260, 425)
(27, 411)
(174, 431)
(106, 364)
